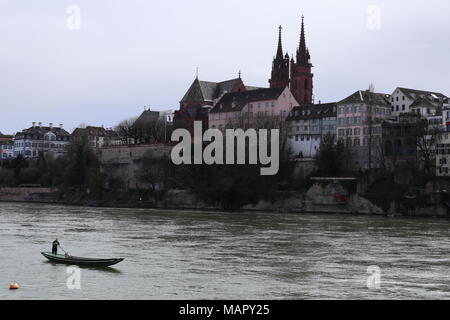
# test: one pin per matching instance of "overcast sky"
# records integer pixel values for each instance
(128, 54)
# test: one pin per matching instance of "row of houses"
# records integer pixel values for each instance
(362, 121)
(40, 139)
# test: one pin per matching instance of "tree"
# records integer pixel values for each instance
(149, 130)
(155, 172)
(329, 158)
(83, 169)
(428, 136)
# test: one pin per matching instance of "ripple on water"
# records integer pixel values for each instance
(200, 255)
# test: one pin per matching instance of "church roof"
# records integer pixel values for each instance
(235, 101)
(207, 90)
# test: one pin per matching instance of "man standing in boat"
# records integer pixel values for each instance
(55, 247)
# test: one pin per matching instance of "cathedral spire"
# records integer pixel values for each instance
(302, 52)
(301, 79)
(280, 66)
(280, 47)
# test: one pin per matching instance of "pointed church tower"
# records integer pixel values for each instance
(280, 67)
(301, 76)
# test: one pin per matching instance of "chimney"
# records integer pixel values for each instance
(39, 124)
(60, 125)
(34, 124)
(50, 125)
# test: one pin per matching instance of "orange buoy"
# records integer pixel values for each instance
(14, 285)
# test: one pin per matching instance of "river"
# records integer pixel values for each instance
(173, 254)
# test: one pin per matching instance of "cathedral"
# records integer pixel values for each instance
(286, 72)
(294, 73)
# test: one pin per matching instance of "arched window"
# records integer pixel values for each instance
(306, 83)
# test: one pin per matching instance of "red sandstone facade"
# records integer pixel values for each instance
(296, 74)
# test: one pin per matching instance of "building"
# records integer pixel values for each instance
(307, 126)
(426, 107)
(359, 119)
(296, 73)
(400, 140)
(6, 147)
(251, 109)
(446, 115)
(443, 155)
(443, 144)
(202, 96)
(280, 67)
(95, 136)
(199, 99)
(403, 100)
(39, 140)
(301, 75)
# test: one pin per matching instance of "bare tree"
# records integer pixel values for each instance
(427, 140)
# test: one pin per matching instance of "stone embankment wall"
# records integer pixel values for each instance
(28, 194)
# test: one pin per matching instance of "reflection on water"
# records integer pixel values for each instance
(216, 255)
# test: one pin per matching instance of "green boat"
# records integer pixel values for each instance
(80, 261)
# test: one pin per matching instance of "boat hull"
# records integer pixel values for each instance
(79, 261)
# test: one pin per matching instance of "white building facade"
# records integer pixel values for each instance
(39, 140)
(307, 126)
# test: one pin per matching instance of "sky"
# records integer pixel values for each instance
(100, 62)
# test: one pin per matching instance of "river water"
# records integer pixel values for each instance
(218, 255)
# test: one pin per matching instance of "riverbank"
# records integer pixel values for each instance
(318, 199)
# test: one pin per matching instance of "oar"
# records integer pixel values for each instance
(63, 250)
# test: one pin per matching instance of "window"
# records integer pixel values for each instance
(357, 142)
(403, 107)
